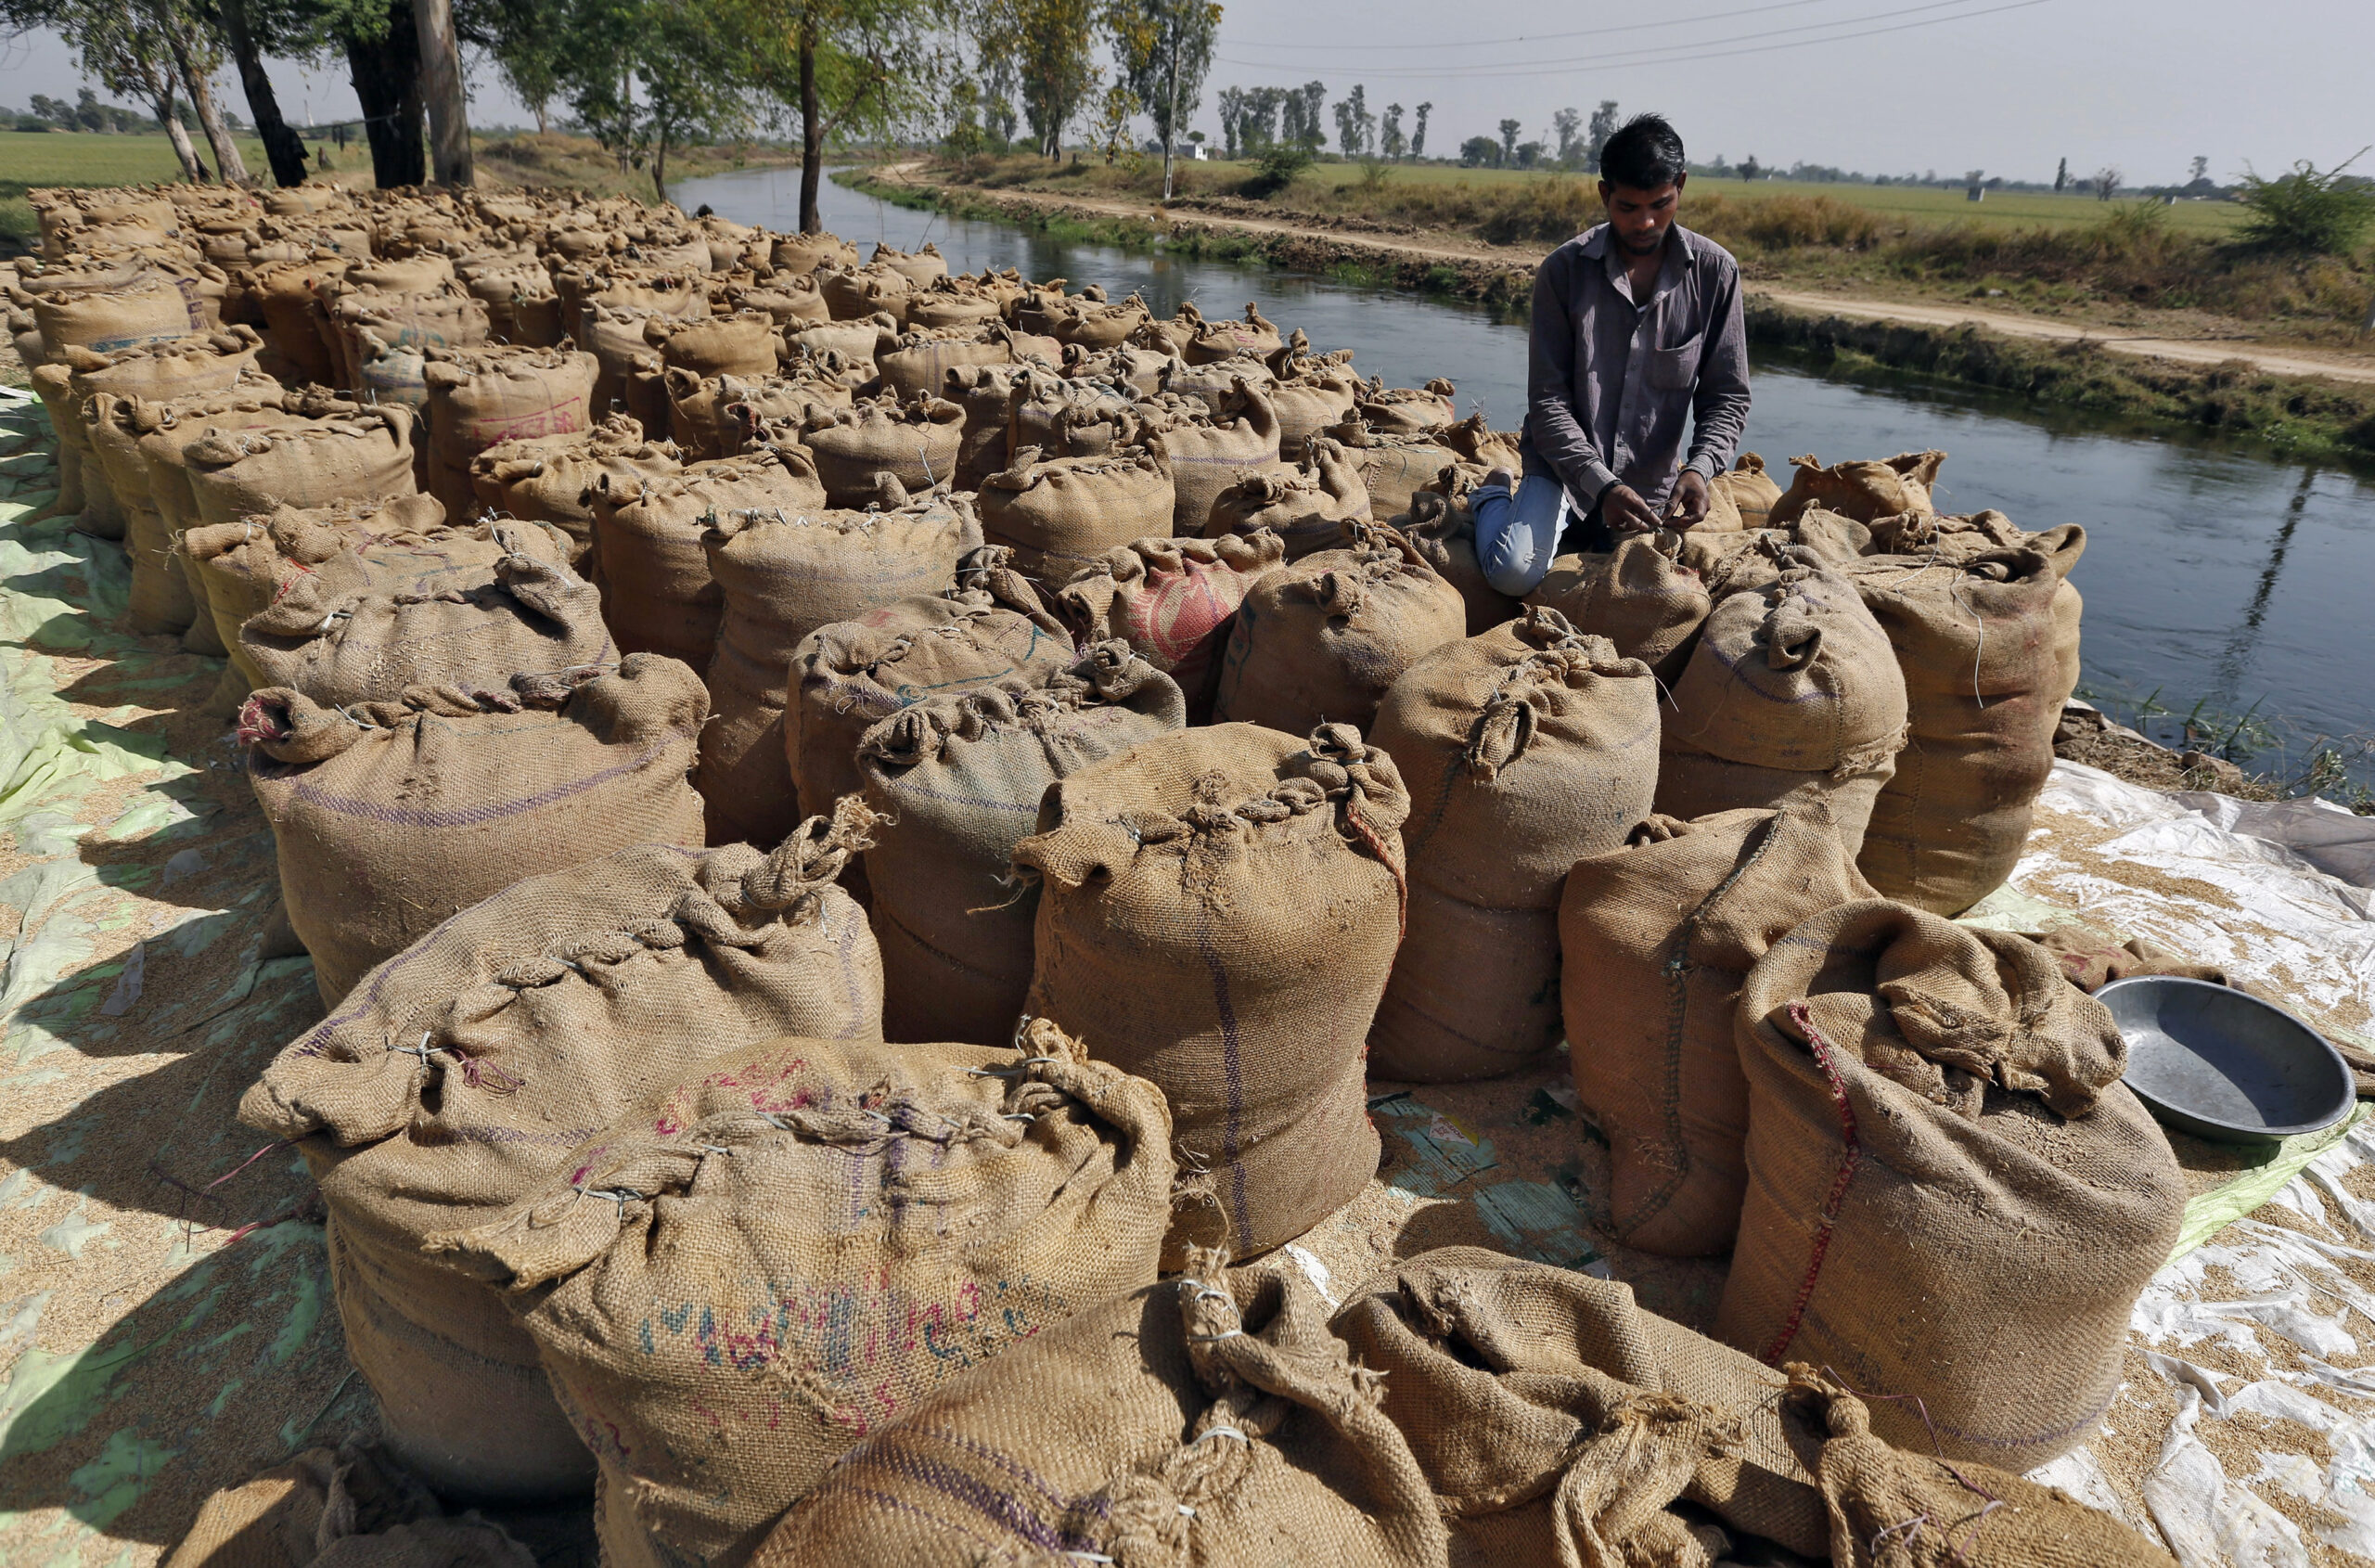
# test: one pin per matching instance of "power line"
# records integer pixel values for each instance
(1544, 37)
(1675, 53)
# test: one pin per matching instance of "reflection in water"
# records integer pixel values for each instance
(2183, 598)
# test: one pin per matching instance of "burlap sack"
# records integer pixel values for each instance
(308, 463)
(159, 599)
(1555, 1419)
(720, 415)
(956, 783)
(85, 498)
(521, 305)
(458, 1077)
(1306, 508)
(918, 360)
(1220, 338)
(526, 614)
(1988, 664)
(351, 1507)
(553, 479)
(659, 597)
(1526, 750)
(1932, 1511)
(1951, 1197)
(1639, 596)
(395, 546)
(915, 442)
(744, 343)
(852, 676)
(856, 342)
(1392, 467)
(1068, 416)
(954, 303)
(1655, 939)
(791, 300)
(1094, 325)
(296, 321)
(855, 293)
(1789, 686)
(1211, 1418)
(215, 362)
(1320, 640)
(147, 309)
(1407, 410)
(381, 337)
(1204, 460)
(803, 253)
(613, 335)
(1061, 516)
(480, 398)
(784, 574)
(1310, 399)
(1173, 601)
(390, 816)
(1441, 525)
(1218, 911)
(1750, 490)
(849, 1225)
(1864, 491)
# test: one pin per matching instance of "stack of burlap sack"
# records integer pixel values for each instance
(862, 831)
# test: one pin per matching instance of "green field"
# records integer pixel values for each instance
(29, 159)
(1914, 203)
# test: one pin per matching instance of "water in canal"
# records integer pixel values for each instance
(2214, 574)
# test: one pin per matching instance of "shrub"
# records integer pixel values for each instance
(2308, 213)
(1276, 169)
(1785, 222)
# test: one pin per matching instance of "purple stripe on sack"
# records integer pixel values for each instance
(991, 1502)
(1233, 1060)
(884, 1500)
(372, 811)
(1000, 1458)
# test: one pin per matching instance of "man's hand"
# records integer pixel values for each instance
(1626, 512)
(1688, 507)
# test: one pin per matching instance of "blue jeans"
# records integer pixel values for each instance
(1517, 537)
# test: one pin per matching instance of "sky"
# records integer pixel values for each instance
(1894, 87)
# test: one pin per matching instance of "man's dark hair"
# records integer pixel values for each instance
(1644, 155)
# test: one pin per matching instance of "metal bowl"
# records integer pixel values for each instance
(2224, 1065)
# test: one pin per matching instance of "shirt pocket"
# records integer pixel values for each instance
(1674, 369)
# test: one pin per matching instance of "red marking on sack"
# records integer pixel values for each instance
(1828, 1218)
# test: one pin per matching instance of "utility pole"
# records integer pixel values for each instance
(441, 84)
(1170, 116)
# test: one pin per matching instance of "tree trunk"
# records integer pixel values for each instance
(660, 165)
(283, 147)
(812, 137)
(440, 86)
(387, 83)
(544, 126)
(227, 162)
(161, 96)
(1171, 119)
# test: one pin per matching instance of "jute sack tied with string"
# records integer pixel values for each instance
(551, 478)
(804, 1239)
(1407, 410)
(1951, 1197)
(851, 676)
(160, 596)
(307, 463)
(478, 398)
(1640, 596)
(1989, 649)
(1220, 338)
(351, 1507)
(1750, 490)
(1061, 515)
(1205, 459)
(957, 782)
(1173, 601)
(915, 442)
(1392, 467)
(455, 1079)
(783, 574)
(1864, 491)
(1788, 686)
(1656, 938)
(1218, 911)
(1306, 506)
(525, 614)
(1441, 525)
(1322, 640)
(724, 416)
(659, 595)
(396, 545)
(1556, 1420)
(1211, 1418)
(390, 816)
(1526, 750)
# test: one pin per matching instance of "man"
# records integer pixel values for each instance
(1636, 324)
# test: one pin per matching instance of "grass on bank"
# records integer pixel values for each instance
(2045, 254)
(32, 159)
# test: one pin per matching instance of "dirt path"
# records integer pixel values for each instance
(2351, 368)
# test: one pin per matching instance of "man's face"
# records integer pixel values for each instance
(1641, 217)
